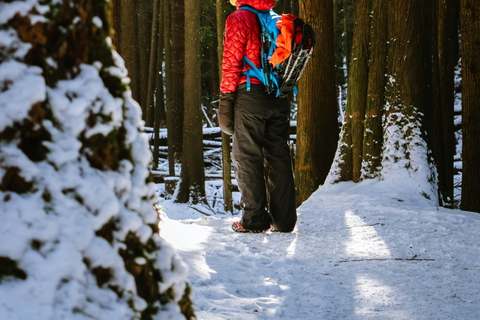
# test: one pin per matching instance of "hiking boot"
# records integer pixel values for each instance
(237, 227)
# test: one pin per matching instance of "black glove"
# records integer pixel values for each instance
(225, 112)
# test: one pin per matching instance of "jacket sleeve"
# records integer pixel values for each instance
(236, 35)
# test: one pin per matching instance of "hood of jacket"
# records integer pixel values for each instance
(257, 4)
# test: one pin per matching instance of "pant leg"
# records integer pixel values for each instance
(248, 139)
(280, 183)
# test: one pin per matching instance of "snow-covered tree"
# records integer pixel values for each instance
(393, 126)
(79, 236)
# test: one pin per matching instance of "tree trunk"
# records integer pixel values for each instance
(144, 22)
(470, 25)
(317, 127)
(178, 74)
(152, 65)
(160, 115)
(192, 184)
(357, 92)
(447, 57)
(168, 85)
(226, 147)
(128, 44)
(373, 133)
(348, 30)
(407, 97)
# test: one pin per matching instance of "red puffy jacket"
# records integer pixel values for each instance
(242, 37)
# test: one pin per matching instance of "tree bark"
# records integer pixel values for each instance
(317, 127)
(128, 43)
(144, 22)
(178, 74)
(357, 92)
(407, 95)
(168, 85)
(226, 146)
(160, 115)
(192, 184)
(152, 65)
(373, 133)
(348, 30)
(470, 26)
(447, 56)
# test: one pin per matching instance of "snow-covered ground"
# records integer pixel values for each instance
(360, 251)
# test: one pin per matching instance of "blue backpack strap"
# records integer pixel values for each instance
(268, 25)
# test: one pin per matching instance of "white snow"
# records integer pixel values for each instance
(360, 251)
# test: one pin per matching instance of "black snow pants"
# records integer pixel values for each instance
(262, 160)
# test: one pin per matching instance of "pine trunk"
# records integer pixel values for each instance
(167, 34)
(128, 43)
(407, 96)
(144, 22)
(226, 146)
(192, 184)
(178, 74)
(357, 88)
(317, 126)
(447, 53)
(373, 133)
(348, 31)
(152, 65)
(160, 115)
(470, 26)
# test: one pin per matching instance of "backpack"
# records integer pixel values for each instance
(282, 66)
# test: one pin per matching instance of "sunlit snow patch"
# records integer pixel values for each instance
(364, 241)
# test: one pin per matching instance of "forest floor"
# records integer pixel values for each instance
(370, 250)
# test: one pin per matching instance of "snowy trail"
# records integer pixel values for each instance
(356, 253)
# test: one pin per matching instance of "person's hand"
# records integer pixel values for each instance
(225, 112)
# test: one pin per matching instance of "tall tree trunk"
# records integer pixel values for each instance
(178, 74)
(167, 25)
(160, 115)
(192, 184)
(470, 25)
(128, 43)
(373, 133)
(144, 22)
(407, 97)
(317, 127)
(152, 65)
(226, 147)
(447, 57)
(357, 93)
(348, 30)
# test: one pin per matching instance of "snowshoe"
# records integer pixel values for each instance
(292, 69)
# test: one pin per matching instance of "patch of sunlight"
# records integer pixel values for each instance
(188, 238)
(183, 236)
(291, 248)
(377, 299)
(364, 240)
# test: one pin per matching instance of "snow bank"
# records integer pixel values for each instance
(65, 230)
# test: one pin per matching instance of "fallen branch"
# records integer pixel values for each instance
(385, 259)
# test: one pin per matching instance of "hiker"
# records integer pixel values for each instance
(259, 123)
